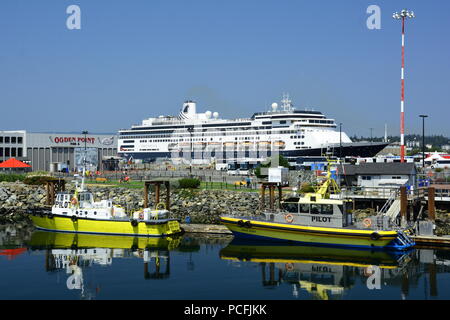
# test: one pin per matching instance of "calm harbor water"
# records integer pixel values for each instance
(48, 265)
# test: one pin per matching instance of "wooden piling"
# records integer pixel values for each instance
(263, 197)
(403, 203)
(431, 205)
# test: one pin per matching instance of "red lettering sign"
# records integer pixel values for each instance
(73, 139)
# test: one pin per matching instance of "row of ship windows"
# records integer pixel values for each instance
(198, 139)
(11, 139)
(212, 134)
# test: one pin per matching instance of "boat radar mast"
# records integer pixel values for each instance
(286, 103)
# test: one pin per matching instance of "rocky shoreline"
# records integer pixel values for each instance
(202, 206)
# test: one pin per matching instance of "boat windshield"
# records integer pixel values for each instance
(85, 197)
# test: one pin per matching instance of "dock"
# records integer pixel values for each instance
(206, 228)
(433, 241)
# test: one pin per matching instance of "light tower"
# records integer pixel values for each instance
(403, 15)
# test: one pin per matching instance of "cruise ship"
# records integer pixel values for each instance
(201, 138)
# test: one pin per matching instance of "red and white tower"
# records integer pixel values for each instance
(403, 15)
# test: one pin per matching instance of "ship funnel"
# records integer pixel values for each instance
(189, 110)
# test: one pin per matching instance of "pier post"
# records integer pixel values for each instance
(431, 206)
(280, 195)
(263, 196)
(403, 203)
(271, 197)
(157, 189)
(167, 183)
(145, 195)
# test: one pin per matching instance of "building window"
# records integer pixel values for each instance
(6, 139)
(13, 152)
(13, 139)
(19, 140)
(19, 152)
(1, 139)
(1, 152)
(7, 152)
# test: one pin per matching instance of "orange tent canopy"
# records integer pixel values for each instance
(14, 163)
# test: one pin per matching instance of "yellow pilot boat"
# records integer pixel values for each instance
(318, 218)
(78, 212)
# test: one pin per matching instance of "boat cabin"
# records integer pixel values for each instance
(312, 211)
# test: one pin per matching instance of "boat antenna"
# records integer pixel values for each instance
(286, 103)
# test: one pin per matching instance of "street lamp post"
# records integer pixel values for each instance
(85, 149)
(423, 116)
(340, 141)
(190, 129)
(403, 15)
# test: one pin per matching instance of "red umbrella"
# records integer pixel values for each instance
(14, 163)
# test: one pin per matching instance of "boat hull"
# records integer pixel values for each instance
(339, 237)
(157, 228)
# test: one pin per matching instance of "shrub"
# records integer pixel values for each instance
(189, 183)
(11, 177)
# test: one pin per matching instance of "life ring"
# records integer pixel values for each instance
(74, 201)
(289, 218)
(289, 266)
(134, 223)
(367, 222)
(375, 236)
(74, 218)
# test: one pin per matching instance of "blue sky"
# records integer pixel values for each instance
(140, 58)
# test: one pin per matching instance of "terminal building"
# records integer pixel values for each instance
(60, 151)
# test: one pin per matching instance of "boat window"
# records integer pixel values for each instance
(304, 208)
(327, 209)
(290, 207)
(315, 209)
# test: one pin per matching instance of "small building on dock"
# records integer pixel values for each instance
(379, 175)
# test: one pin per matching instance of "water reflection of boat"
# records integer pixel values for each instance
(270, 252)
(322, 272)
(51, 240)
(76, 252)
